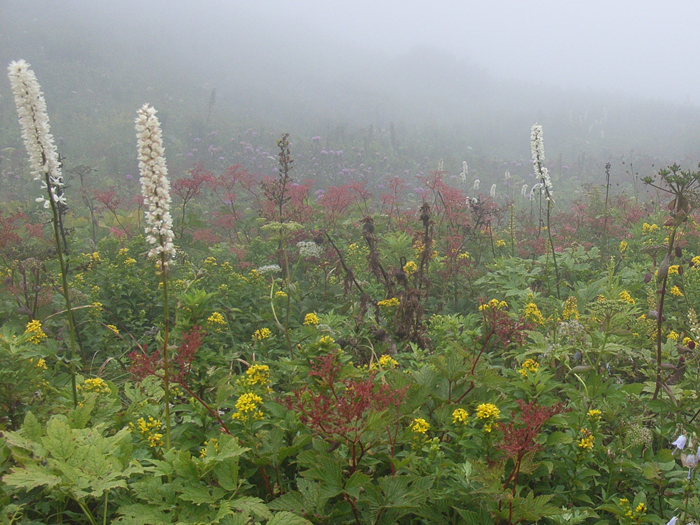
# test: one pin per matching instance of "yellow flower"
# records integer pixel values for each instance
(533, 314)
(529, 365)
(500, 243)
(463, 255)
(326, 340)
(494, 304)
(649, 228)
(33, 328)
(587, 440)
(387, 303)
(623, 246)
(676, 291)
(673, 335)
(385, 362)
(410, 267)
(626, 297)
(594, 414)
(487, 411)
(673, 270)
(311, 319)
(687, 341)
(247, 407)
(123, 252)
(258, 375)
(460, 416)
(113, 328)
(211, 261)
(641, 508)
(129, 261)
(570, 309)
(261, 334)
(96, 385)
(696, 261)
(216, 319)
(281, 294)
(420, 426)
(41, 364)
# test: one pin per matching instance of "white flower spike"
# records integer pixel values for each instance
(155, 186)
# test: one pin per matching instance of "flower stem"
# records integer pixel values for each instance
(166, 368)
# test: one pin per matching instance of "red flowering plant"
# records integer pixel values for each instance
(358, 412)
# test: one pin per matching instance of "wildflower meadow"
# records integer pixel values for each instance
(287, 330)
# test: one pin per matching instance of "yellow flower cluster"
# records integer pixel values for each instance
(113, 328)
(676, 291)
(463, 255)
(696, 261)
(638, 512)
(673, 335)
(500, 243)
(587, 440)
(150, 430)
(626, 297)
(673, 269)
(41, 364)
(311, 319)
(594, 414)
(529, 365)
(460, 416)
(493, 304)
(385, 362)
(387, 303)
(216, 319)
(261, 334)
(33, 328)
(420, 426)
(326, 340)
(210, 261)
(410, 267)
(96, 385)
(247, 407)
(649, 228)
(570, 309)
(213, 442)
(687, 341)
(258, 375)
(281, 294)
(487, 411)
(623, 246)
(533, 314)
(129, 261)
(123, 252)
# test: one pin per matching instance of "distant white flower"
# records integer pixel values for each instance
(679, 443)
(507, 174)
(309, 249)
(672, 521)
(465, 172)
(155, 186)
(493, 191)
(34, 121)
(270, 268)
(537, 150)
(523, 190)
(476, 184)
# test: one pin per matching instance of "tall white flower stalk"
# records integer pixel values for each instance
(543, 186)
(155, 188)
(45, 166)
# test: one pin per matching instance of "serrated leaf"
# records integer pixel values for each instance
(227, 474)
(354, 484)
(287, 518)
(30, 477)
(196, 494)
(559, 438)
(31, 428)
(139, 514)
(253, 506)
(291, 501)
(59, 440)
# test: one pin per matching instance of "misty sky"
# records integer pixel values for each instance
(649, 49)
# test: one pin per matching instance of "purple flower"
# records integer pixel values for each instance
(129, 176)
(197, 139)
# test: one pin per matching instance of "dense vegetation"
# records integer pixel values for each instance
(388, 346)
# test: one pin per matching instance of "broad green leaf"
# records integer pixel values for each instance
(287, 518)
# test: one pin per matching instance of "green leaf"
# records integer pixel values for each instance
(253, 506)
(227, 474)
(354, 484)
(59, 440)
(31, 429)
(287, 518)
(559, 438)
(30, 477)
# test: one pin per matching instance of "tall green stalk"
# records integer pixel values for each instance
(166, 331)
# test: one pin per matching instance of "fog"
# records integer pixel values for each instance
(611, 80)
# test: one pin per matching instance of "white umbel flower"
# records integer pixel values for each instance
(309, 249)
(155, 186)
(34, 121)
(542, 174)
